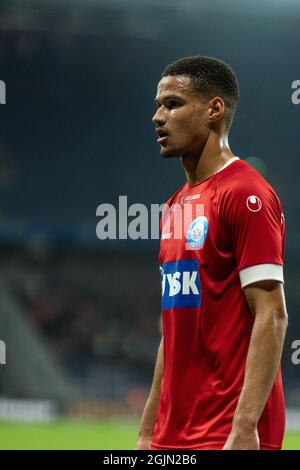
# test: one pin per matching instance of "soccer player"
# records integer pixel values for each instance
(217, 380)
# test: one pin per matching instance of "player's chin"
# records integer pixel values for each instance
(168, 152)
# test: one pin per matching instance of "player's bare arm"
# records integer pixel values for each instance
(267, 303)
(150, 410)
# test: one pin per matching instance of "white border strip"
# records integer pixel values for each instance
(261, 272)
(233, 159)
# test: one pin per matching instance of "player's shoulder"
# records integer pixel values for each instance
(241, 179)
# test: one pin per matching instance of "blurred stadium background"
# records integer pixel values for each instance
(80, 316)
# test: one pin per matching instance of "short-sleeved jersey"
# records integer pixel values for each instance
(232, 235)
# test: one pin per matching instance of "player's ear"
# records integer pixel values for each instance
(216, 109)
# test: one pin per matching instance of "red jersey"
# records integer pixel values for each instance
(233, 236)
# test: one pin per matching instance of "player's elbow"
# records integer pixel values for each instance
(279, 317)
(285, 317)
(273, 317)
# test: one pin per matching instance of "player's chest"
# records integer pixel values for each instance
(188, 226)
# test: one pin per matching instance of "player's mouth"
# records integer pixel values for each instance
(162, 136)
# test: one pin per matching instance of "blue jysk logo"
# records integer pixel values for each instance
(180, 282)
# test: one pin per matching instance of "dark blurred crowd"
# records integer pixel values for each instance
(97, 314)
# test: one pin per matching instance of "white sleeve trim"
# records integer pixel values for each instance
(261, 272)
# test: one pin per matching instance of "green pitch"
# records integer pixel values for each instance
(69, 434)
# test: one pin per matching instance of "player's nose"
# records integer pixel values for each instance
(158, 118)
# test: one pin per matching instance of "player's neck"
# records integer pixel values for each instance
(203, 163)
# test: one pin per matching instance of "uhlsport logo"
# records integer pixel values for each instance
(197, 232)
(253, 203)
(180, 282)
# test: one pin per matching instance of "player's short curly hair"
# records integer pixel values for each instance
(210, 77)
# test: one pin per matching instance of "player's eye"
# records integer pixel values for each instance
(169, 104)
(172, 104)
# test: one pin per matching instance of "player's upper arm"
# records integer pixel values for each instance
(267, 297)
(254, 224)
